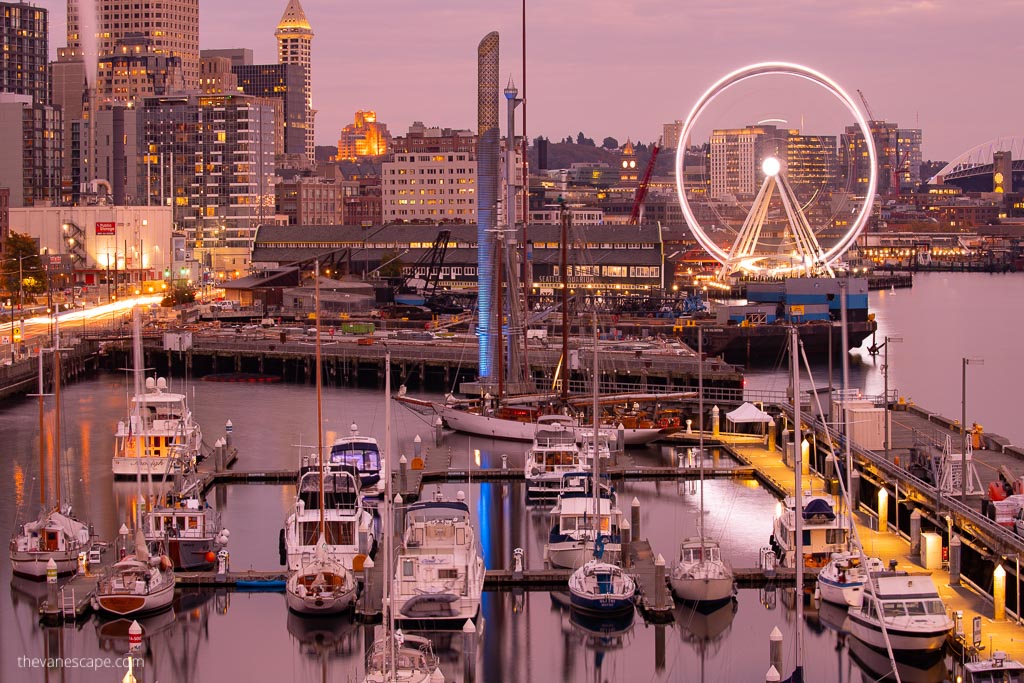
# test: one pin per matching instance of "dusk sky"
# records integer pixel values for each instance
(622, 68)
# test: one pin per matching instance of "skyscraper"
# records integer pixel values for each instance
(294, 46)
(23, 67)
(488, 149)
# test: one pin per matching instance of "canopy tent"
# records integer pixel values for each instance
(748, 412)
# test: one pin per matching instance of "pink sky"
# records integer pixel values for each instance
(622, 68)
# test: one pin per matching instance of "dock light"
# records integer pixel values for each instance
(999, 593)
(883, 510)
(476, 456)
(778, 510)
(771, 166)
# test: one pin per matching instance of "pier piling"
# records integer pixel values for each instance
(775, 651)
(635, 517)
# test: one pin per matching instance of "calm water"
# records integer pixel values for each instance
(235, 636)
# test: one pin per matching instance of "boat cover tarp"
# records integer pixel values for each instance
(748, 412)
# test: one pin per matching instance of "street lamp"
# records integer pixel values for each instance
(885, 372)
(963, 425)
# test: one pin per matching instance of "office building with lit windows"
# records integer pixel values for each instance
(899, 157)
(365, 137)
(283, 82)
(31, 137)
(432, 187)
(23, 68)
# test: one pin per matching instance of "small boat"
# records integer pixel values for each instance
(841, 581)
(189, 529)
(440, 570)
(701, 576)
(361, 452)
(159, 425)
(571, 539)
(320, 587)
(827, 531)
(138, 584)
(998, 669)
(911, 610)
(602, 588)
(554, 452)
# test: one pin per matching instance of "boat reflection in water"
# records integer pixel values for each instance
(924, 668)
(599, 633)
(325, 640)
(705, 630)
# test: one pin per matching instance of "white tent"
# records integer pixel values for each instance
(748, 412)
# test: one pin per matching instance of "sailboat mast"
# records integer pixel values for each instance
(42, 441)
(794, 342)
(565, 301)
(138, 411)
(319, 396)
(596, 465)
(388, 519)
(845, 337)
(700, 433)
(56, 408)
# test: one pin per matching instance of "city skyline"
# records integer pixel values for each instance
(585, 58)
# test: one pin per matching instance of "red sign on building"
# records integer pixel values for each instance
(106, 228)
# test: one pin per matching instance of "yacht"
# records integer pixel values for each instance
(344, 519)
(554, 452)
(185, 524)
(138, 584)
(701, 576)
(825, 531)
(571, 540)
(440, 570)
(909, 606)
(159, 425)
(361, 452)
(841, 581)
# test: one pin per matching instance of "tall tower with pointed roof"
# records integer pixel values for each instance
(294, 46)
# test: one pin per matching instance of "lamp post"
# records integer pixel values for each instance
(963, 424)
(885, 372)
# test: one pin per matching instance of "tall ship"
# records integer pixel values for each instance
(159, 430)
(744, 332)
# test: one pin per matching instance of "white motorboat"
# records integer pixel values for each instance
(555, 451)
(55, 534)
(138, 584)
(159, 426)
(700, 575)
(572, 537)
(601, 588)
(998, 669)
(911, 611)
(440, 570)
(361, 452)
(827, 530)
(843, 578)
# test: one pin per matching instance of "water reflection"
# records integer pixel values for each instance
(706, 631)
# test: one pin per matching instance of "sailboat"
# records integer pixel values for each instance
(599, 587)
(321, 584)
(701, 576)
(140, 583)
(56, 534)
(396, 656)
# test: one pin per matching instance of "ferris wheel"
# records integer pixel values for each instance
(799, 251)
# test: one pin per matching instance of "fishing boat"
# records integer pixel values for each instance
(185, 525)
(322, 582)
(571, 540)
(554, 452)
(395, 656)
(841, 581)
(701, 576)
(159, 427)
(600, 587)
(361, 452)
(141, 583)
(905, 608)
(55, 534)
(440, 570)
(825, 530)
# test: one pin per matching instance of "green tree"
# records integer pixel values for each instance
(391, 265)
(610, 143)
(179, 294)
(21, 261)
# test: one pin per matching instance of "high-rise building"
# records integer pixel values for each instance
(172, 27)
(670, 134)
(366, 137)
(854, 163)
(239, 56)
(137, 68)
(5, 216)
(219, 179)
(284, 83)
(23, 67)
(809, 161)
(908, 147)
(488, 146)
(734, 155)
(31, 136)
(67, 88)
(431, 187)
(294, 46)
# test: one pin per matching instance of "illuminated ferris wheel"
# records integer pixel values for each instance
(795, 249)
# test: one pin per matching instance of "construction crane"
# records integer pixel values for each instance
(641, 190)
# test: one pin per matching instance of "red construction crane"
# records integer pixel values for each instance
(641, 190)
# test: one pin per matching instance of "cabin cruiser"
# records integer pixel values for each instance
(909, 606)
(571, 540)
(841, 581)
(159, 425)
(361, 452)
(185, 524)
(825, 531)
(440, 573)
(554, 452)
(998, 669)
